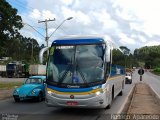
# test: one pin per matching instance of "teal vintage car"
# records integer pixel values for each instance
(33, 88)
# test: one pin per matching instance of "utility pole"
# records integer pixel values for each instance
(46, 21)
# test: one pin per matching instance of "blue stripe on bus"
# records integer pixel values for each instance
(73, 89)
(78, 41)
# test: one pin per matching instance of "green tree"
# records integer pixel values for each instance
(118, 57)
(124, 58)
(9, 25)
(25, 49)
(125, 50)
(149, 55)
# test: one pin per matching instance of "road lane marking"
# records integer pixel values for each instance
(155, 92)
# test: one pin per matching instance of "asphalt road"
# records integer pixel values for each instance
(29, 110)
(153, 81)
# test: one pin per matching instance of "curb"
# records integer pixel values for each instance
(154, 93)
(128, 98)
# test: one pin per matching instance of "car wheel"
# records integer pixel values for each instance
(16, 99)
(40, 97)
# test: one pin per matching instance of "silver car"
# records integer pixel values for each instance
(128, 78)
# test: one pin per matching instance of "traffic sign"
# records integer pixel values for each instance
(141, 71)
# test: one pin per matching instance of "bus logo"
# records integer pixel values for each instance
(70, 86)
(72, 96)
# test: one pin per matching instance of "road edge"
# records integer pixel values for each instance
(6, 94)
(154, 92)
(128, 98)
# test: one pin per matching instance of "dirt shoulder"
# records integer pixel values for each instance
(7, 85)
(5, 93)
(144, 101)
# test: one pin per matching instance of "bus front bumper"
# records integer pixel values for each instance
(90, 101)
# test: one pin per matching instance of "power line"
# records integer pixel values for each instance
(27, 29)
(35, 29)
(34, 26)
(69, 18)
(28, 7)
(38, 27)
(20, 5)
(60, 28)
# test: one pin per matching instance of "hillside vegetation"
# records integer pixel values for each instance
(150, 55)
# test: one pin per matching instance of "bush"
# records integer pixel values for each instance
(157, 70)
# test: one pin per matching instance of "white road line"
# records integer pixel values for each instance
(125, 101)
(155, 92)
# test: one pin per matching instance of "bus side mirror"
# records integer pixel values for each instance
(108, 56)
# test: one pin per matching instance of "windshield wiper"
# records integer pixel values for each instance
(64, 74)
(82, 75)
(66, 71)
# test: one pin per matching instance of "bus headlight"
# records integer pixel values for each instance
(98, 93)
(49, 92)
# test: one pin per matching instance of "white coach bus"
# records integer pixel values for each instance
(80, 73)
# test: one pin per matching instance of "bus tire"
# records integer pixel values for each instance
(120, 93)
(109, 106)
(112, 92)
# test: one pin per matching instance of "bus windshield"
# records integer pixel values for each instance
(76, 64)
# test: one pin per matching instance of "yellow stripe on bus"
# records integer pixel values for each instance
(115, 77)
(75, 93)
(83, 93)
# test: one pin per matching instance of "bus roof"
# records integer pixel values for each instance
(78, 40)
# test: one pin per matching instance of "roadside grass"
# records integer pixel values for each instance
(156, 71)
(10, 85)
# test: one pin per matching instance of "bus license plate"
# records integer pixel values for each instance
(72, 103)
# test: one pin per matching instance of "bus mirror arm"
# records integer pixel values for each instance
(41, 54)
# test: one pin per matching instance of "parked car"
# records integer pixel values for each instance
(33, 88)
(128, 78)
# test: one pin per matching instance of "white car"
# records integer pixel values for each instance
(128, 78)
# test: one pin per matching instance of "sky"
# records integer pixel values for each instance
(130, 23)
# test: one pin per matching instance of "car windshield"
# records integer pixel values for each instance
(33, 81)
(76, 64)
